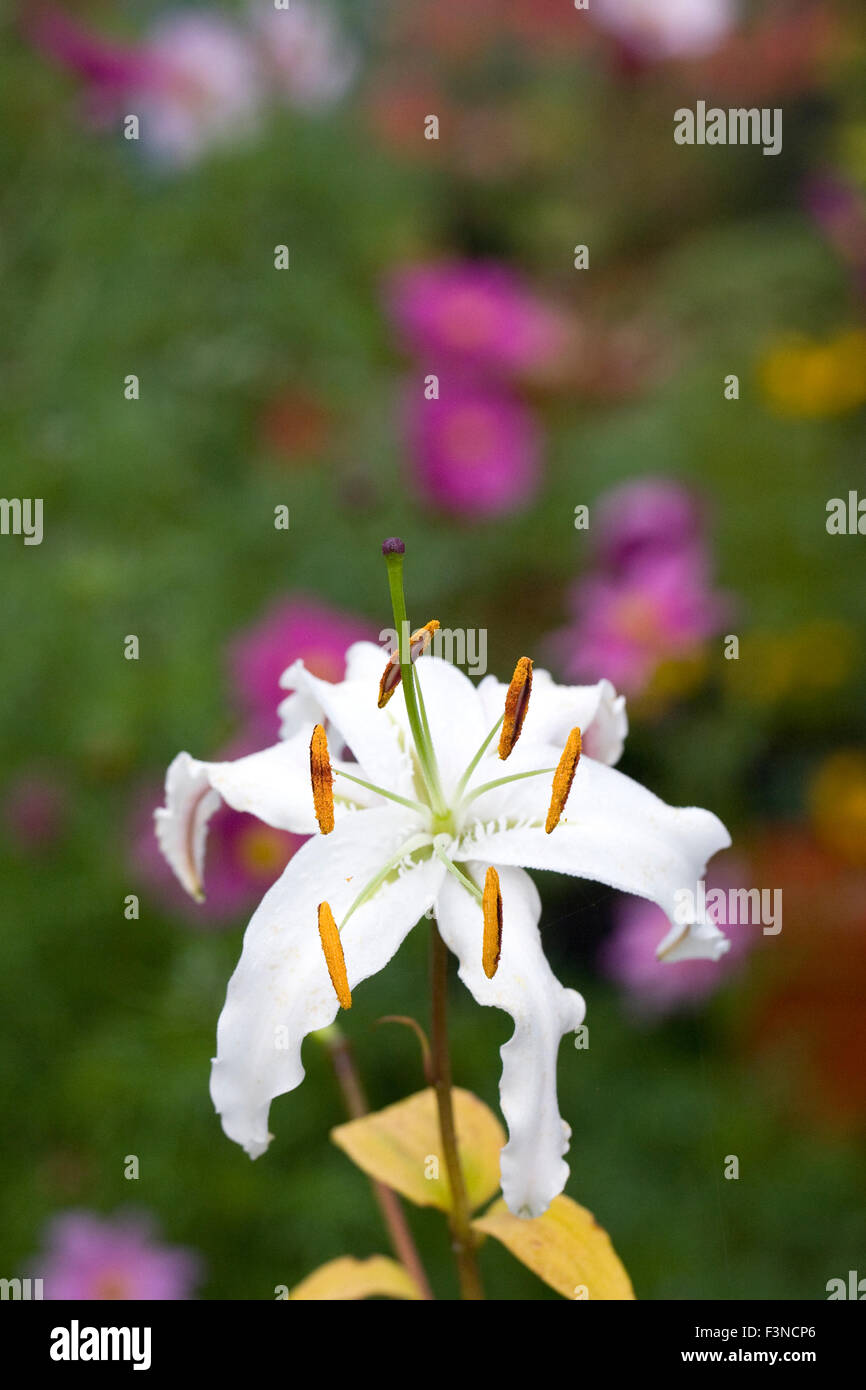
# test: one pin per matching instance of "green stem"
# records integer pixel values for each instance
(458, 874)
(392, 796)
(423, 746)
(501, 781)
(462, 1235)
(422, 710)
(461, 786)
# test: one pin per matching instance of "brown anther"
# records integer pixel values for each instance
(322, 779)
(334, 958)
(562, 779)
(491, 906)
(419, 641)
(516, 705)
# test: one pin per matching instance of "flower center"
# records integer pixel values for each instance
(444, 823)
(443, 819)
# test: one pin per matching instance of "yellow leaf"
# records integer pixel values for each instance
(565, 1247)
(350, 1278)
(401, 1147)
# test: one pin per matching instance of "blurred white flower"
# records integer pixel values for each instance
(667, 28)
(203, 88)
(310, 61)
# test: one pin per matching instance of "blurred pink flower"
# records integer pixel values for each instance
(654, 987)
(109, 69)
(91, 1257)
(310, 62)
(659, 29)
(625, 626)
(839, 210)
(477, 314)
(193, 82)
(645, 520)
(205, 88)
(476, 451)
(34, 808)
(291, 629)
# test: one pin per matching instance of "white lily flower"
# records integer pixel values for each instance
(409, 835)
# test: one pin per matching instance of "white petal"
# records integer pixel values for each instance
(365, 661)
(458, 725)
(349, 708)
(299, 712)
(613, 831)
(273, 785)
(281, 990)
(554, 710)
(694, 941)
(533, 1167)
(181, 825)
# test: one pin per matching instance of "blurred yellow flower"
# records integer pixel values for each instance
(806, 378)
(838, 805)
(800, 664)
(674, 679)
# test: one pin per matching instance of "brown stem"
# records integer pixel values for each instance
(462, 1235)
(403, 1245)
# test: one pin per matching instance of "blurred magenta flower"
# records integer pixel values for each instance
(245, 857)
(109, 69)
(839, 210)
(478, 314)
(476, 451)
(309, 61)
(198, 79)
(34, 809)
(652, 987)
(474, 313)
(291, 630)
(628, 625)
(643, 520)
(193, 82)
(92, 1257)
(659, 29)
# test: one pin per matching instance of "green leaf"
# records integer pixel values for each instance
(401, 1147)
(565, 1247)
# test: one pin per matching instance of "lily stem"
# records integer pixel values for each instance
(462, 1235)
(420, 735)
(343, 1061)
